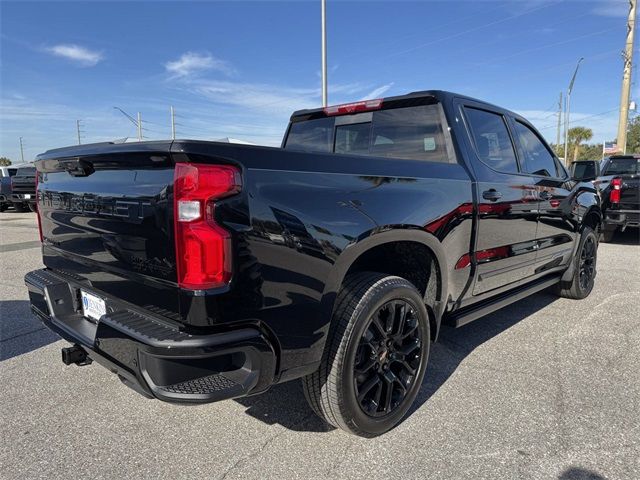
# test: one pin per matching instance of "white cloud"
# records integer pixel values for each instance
(378, 92)
(191, 63)
(81, 55)
(612, 8)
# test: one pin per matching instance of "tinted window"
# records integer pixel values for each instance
(492, 139)
(26, 172)
(621, 166)
(537, 158)
(353, 138)
(311, 135)
(408, 133)
(412, 133)
(12, 171)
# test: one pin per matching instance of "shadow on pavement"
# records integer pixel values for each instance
(631, 236)
(20, 331)
(285, 404)
(577, 473)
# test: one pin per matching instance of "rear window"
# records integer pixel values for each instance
(26, 172)
(621, 166)
(414, 133)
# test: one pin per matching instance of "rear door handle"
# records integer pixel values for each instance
(492, 195)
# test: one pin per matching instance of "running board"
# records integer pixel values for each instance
(473, 312)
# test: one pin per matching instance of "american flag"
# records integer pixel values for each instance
(610, 147)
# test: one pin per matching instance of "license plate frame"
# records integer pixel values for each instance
(93, 307)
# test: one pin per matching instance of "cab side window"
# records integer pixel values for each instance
(538, 160)
(492, 140)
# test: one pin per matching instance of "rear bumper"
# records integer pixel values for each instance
(151, 354)
(622, 218)
(23, 198)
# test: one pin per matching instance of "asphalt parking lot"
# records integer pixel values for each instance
(546, 388)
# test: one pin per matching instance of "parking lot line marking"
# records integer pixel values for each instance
(12, 247)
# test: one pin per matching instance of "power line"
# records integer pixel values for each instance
(581, 119)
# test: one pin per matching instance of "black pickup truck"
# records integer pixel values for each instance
(201, 271)
(23, 189)
(619, 184)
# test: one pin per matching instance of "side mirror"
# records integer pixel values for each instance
(585, 171)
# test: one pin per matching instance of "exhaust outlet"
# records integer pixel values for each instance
(75, 355)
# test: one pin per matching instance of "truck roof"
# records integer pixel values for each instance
(440, 96)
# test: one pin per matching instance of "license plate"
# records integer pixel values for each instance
(92, 306)
(27, 196)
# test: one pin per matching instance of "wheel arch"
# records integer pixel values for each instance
(414, 246)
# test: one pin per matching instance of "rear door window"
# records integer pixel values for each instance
(538, 160)
(492, 140)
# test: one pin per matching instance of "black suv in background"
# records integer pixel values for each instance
(619, 185)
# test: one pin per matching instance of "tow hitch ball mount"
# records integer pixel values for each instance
(75, 355)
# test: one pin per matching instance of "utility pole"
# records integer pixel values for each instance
(567, 113)
(559, 123)
(323, 6)
(139, 124)
(78, 131)
(627, 56)
(173, 123)
(21, 150)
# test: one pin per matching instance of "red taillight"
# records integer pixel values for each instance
(345, 108)
(616, 187)
(38, 208)
(203, 248)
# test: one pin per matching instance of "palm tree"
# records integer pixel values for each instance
(577, 135)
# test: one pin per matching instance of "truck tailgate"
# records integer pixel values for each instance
(107, 219)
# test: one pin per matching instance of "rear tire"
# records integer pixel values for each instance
(375, 357)
(584, 268)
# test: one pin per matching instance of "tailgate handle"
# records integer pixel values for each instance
(78, 167)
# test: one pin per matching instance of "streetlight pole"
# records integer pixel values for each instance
(323, 6)
(568, 112)
(627, 55)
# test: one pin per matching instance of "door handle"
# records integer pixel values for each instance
(545, 195)
(491, 194)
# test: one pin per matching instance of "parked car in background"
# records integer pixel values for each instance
(5, 186)
(23, 188)
(200, 271)
(619, 185)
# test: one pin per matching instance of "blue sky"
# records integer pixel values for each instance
(240, 68)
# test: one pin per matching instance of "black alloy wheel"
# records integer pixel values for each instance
(587, 262)
(387, 358)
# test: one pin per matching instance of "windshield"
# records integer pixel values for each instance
(621, 166)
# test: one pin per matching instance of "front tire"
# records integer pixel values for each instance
(375, 358)
(584, 268)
